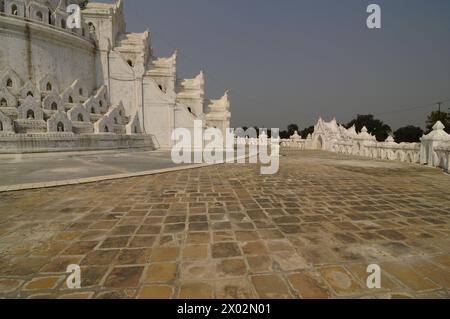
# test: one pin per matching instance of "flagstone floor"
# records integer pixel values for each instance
(226, 231)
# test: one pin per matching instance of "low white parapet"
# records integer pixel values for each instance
(443, 154)
(433, 150)
(389, 150)
(293, 144)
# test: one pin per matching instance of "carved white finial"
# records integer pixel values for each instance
(438, 126)
(437, 134)
(174, 56)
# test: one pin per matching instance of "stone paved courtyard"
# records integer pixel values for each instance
(228, 232)
(51, 167)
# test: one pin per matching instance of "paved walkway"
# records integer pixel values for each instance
(33, 171)
(43, 168)
(227, 231)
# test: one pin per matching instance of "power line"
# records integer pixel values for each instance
(412, 108)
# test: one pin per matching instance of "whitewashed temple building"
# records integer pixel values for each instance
(94, 87)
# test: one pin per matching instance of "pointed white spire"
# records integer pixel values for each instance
(438, 126)
(438, 133)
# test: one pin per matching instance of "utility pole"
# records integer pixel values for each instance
(439, 107)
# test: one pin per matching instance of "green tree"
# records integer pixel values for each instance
(284, 134)
(292, 128)
(309, 130)
(374, 126)
(408, 134)
(438, 116)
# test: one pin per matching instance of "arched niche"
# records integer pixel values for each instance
(79, 114)
(11, 81)
(30, 105)
(7, 99)
(59, 121)
(53, 102)
(48, 84)
(29, 90)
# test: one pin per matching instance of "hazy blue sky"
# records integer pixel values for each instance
(291, 61)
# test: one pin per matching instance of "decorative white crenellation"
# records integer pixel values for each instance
(294, 142)
(163, 71)
(191, 92)
(218, 114)
(433, 150)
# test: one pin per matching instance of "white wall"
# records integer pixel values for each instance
(34, 50)
(158, 114)
(122, 84)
